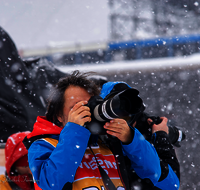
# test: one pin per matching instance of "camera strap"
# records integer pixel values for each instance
(106, 180)
(116, 148)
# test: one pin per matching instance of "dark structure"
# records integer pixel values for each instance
(135, 19)
(25, 85)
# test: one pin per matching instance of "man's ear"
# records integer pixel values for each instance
(60, 119)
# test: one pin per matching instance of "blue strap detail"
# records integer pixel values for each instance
(153, 138)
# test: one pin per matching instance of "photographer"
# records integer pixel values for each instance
(161, 136)
(63, 154)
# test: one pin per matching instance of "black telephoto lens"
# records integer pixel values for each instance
(122, 104)
(176, 135)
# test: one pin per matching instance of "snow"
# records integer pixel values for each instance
(37, 23)
(181, 103)
(139, 65)
(56, 23)
(169, 87)
(59, 23)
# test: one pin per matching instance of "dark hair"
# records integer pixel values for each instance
(56, 99)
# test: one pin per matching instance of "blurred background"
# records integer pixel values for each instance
(151, 45)
(86, 31)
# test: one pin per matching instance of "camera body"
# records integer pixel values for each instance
(126, 103)
(95, 126)
(175, 134)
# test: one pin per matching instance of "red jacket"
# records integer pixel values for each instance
(14, 150)
(40, 128)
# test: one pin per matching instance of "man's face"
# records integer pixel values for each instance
(73, 95)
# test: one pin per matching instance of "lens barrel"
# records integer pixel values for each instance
(122, 104)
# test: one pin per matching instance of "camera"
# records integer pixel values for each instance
(124, 104)
(175, 135)
(127, 105)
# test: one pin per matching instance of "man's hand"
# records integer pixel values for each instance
(120, 129)
(160, 127)
(80, 114)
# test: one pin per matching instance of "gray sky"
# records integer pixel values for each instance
(38, 23)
